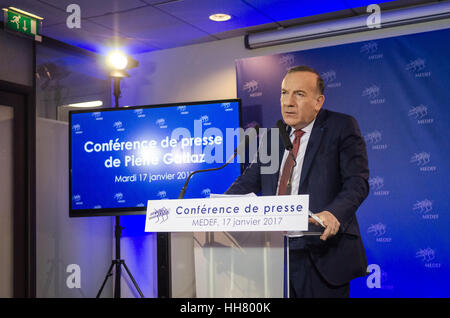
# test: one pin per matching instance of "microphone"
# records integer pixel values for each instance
(238, 151)
(284, 135)
(288, 146)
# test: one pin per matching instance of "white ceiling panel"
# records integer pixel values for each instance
(150, 25)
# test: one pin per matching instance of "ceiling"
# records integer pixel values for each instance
(148, 25)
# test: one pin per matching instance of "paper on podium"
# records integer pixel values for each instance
(289, 233)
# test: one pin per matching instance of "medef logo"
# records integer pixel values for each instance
(160, 215)
(252, 88)
(139, 113)
(118, 126)
(374, 140)
(162, 194)
(182, 110)
(119, 197)
(76, 128)
(427, 255)
(97, 115)
(418, 68)
(287, 60)
(378, 231)
(77, 199)
(206, 193)
(161, 122)
(373, 95)
(424, 208)
(420, 113)
(227, 107)
(329, 78)
(376, 184)
(422, 159)
(205, 120)
(370, 49)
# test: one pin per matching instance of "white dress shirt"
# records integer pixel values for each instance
(298, 167)
(299, 159)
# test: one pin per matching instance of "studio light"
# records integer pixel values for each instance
(118, 62)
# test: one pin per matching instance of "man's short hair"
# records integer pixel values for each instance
(304, 68)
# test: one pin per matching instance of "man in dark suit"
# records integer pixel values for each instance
(331, 166)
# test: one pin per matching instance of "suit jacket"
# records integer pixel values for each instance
(335, 174)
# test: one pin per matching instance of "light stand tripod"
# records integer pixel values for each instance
(117, 262)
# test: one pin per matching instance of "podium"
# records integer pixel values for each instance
(240, 243)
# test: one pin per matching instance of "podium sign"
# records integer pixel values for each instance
(229, 214)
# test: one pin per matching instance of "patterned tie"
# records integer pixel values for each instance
(289, 164)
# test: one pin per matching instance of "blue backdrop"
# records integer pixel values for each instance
(398, 90)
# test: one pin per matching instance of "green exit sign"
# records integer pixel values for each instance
(22, 23)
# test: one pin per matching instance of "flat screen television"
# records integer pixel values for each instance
(121, 157)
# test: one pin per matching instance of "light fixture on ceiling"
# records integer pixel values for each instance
(220, 17)
(392, 18)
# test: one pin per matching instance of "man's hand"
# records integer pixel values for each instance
(331, 224)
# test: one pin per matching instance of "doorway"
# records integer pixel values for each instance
(17, 202)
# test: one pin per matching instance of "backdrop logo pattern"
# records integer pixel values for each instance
(424, 208)
(373, 139)
(252, 88)
(329, 78)
(420, 113)
(373, 94)
(370, 49)
(376, 184)
(287, 61)
(427, 256)
(422, 159)
(378, 231)
(418, 68)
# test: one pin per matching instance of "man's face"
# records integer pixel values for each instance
(300, 99)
